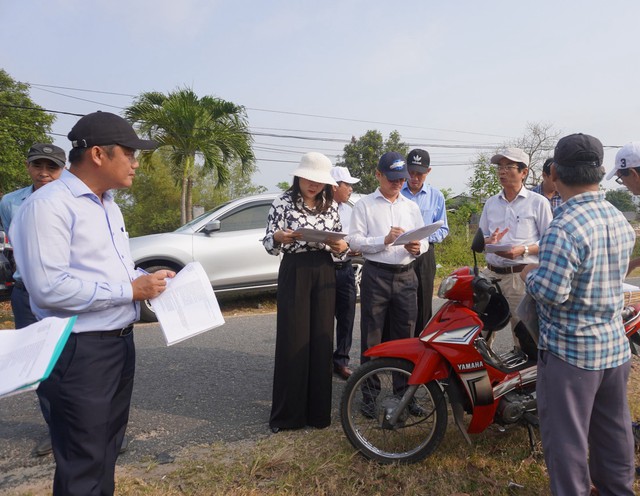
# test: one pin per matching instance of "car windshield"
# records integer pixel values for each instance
(188, 225)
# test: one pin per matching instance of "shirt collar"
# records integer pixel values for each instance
(524, 193)
(585, 197)
(377, 194)
(79, 188)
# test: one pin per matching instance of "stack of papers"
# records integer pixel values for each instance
(497, 247)
(187, 306)
(28, 355)
(418, 234)
(319, 236)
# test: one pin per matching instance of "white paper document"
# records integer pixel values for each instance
(319, 236)
(28, 355)
(418, 234)
(497, 248)
(188, 306)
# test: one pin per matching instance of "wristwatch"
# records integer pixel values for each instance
(526, 251)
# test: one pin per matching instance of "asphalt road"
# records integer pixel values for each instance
(213, 387)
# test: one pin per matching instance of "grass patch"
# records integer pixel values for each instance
(322, 463)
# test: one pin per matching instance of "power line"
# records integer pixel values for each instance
(24, 107)
(300, 114)
(80, 89)
(81, 99)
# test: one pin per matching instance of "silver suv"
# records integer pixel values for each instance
(227, 241)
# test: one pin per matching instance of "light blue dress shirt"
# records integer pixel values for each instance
(9, 205)
(432, 207)
(73, 254)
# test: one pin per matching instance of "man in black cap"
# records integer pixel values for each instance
(72, 250)
(44, 165)
(584, 355)
(433, 209)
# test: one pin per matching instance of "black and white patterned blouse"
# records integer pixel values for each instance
(285, 214)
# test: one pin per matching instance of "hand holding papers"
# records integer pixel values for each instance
(319, 236)
(418, 234)
(188, 306)
(28, 355)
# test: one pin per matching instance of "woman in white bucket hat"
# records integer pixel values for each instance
(306, 296)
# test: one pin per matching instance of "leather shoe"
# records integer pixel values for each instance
(342, 371)
(44, 445)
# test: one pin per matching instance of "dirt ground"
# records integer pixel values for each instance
(36, 478)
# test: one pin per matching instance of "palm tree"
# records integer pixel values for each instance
(186, 127)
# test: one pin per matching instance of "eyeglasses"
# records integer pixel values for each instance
(621, 173)
(506, 167)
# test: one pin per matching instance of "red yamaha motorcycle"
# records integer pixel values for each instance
(393, 408)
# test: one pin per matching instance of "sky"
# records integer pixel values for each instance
(454, 77)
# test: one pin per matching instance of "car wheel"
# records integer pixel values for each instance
(146, 311)
(358, 264)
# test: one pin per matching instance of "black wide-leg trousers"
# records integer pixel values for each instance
(304, 342)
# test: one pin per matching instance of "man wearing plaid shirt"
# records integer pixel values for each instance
(583, 362)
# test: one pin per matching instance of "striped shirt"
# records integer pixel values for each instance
(584, 256)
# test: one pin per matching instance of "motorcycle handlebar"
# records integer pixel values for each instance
(485, 286)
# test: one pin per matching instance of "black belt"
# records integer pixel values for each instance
(118, 333)
(512, 269)
(391, 267)
(342, 265)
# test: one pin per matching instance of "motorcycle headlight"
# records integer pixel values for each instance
(446, 284)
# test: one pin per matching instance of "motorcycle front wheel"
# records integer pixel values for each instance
(370, 399)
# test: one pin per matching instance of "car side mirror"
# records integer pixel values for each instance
(210, 227)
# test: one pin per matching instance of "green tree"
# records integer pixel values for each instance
(208, 194)
(207, 132)
(484, 181)
(152, 204)
(22, 123)
(621, 199)
(283, 185)
(361, 157)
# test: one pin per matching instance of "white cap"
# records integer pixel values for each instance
(628, 157)
(315, 167)
(341, 174)
(514, 154)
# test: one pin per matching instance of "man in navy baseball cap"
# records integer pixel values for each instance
(393, 166)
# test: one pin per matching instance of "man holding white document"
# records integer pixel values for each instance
(72, 250)
(515, 219)
(389, 283)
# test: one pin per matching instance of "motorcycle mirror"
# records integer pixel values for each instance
(477, 245)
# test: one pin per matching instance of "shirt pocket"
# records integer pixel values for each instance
(526, 227)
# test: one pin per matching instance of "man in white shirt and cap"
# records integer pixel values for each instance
(627, 173)
(345, 277)
(515, 218)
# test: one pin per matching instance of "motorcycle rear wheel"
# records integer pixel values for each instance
(420, 428)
